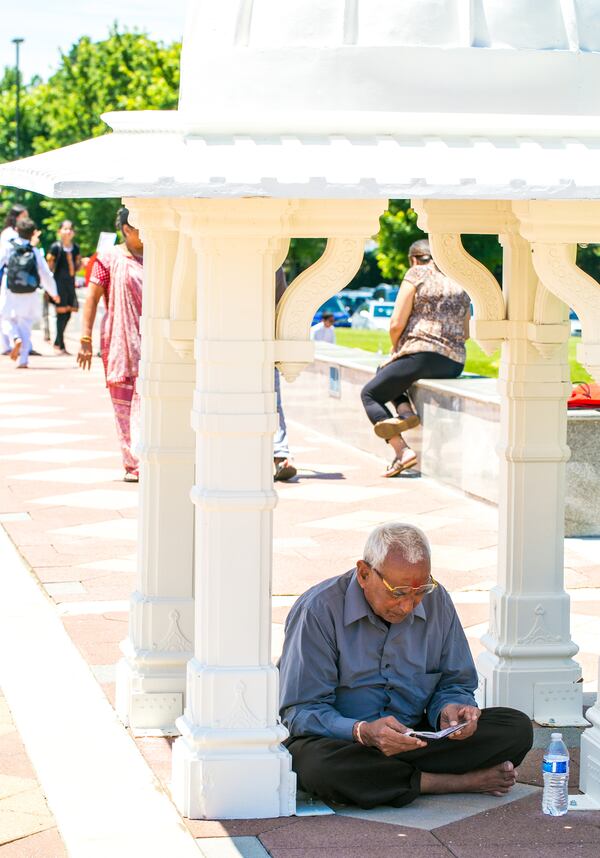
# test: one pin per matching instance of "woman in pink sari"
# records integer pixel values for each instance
(117, 276)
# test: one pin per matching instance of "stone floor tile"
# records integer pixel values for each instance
(237, 827)
(322, 831)
(101, 499)
(527, 850)
(16, 825)
(31, 801)
(236, 847)
(366, 851)
(45, 844)
(523, 824)
(11, 785)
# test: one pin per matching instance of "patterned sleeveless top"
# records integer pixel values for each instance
(436, 323)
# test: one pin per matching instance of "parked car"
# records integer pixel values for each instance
(373, 315)
(575, 324)
(385, 292)
(334, 305)
(352, 298)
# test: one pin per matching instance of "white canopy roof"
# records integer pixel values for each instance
(172, 160)
(359, 98)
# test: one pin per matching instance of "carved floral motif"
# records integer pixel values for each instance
(538, 633)
(174, 640)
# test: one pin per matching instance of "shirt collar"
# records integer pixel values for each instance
(356, 606)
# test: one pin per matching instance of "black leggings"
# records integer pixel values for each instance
(346, 772)
(62, 320)
(393, 380)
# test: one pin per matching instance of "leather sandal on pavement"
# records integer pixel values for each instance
(395, 426)
(284, 470)
(398, 465)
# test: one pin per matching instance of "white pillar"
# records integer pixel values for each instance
(529, 659)
(229, 760)
(151, 675)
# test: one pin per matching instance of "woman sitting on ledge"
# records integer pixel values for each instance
(428, 330)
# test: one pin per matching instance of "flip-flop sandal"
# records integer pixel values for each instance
(397, 467)
(284, 471)
(395, 426)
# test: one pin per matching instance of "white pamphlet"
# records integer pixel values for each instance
(440, 734)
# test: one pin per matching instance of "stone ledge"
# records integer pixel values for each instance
(458, 439)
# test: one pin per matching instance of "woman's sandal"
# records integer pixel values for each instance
(395, 426)
(397, 466)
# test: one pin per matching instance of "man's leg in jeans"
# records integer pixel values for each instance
(284, 469)
(347, 772)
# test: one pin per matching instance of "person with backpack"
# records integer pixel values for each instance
(9, 232)
(64, 260)
(26, 271)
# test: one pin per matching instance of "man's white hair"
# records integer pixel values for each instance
(394, 536)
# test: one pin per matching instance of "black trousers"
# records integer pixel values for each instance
(349, 773)
(393, 380)
(62, 320)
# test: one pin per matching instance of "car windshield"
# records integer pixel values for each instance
(333, 305)
(382, 311)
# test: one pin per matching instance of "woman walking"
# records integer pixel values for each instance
(64, 260)
(428, 330)
(117, 277)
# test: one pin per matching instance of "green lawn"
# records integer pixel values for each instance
(477, 360)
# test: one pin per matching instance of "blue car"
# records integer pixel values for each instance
(340, 314)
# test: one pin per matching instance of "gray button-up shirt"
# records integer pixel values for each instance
(342, 663)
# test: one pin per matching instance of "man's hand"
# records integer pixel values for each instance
(389, 736)
(84, 357)
(55, 298)
(455, 713)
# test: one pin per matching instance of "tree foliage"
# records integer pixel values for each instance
(126, 71)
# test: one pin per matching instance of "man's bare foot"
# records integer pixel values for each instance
(496, 780)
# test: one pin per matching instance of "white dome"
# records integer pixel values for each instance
(470, 56)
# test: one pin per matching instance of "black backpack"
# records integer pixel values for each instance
(22, 274)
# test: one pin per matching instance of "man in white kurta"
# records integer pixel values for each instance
(23, 309)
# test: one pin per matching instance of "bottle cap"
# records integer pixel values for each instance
(556, 736)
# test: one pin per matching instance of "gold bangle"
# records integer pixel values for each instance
(85, 339)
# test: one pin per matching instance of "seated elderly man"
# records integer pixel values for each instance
(378, 651)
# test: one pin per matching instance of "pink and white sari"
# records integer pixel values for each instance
(120, 275)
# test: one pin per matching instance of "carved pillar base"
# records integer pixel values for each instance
(237, 766)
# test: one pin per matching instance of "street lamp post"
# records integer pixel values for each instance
(17, 44)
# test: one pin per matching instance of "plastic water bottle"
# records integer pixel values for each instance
(555, 768)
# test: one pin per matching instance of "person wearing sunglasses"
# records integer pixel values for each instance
(371, 656)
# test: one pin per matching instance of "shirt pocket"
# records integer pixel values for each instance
(424, 686)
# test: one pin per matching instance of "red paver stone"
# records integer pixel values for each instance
(522, 823)
(236, 827)
(585, 850)
(96, 637)
(45, 844)
(13, 757)
(319, 832)
(334, 851)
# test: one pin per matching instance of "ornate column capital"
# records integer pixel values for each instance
(553, 227)
(152, 213)
(346, 228)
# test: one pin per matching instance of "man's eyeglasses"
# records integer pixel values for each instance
(403, 592)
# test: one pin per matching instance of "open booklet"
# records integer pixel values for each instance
(424, 734)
